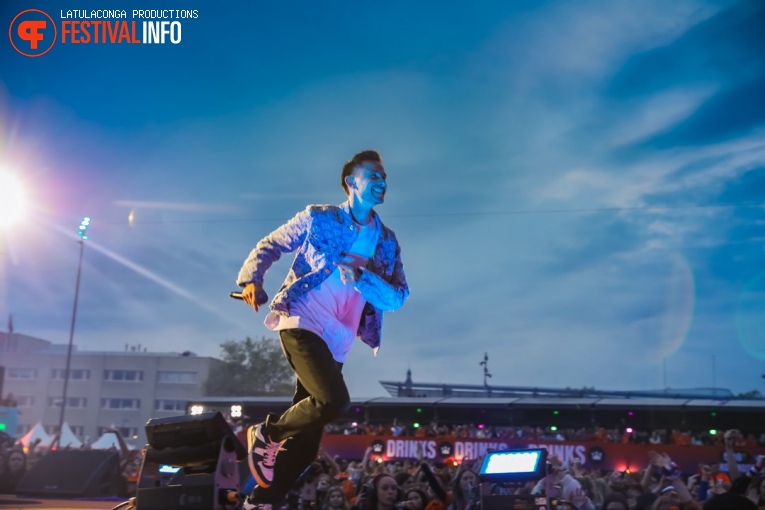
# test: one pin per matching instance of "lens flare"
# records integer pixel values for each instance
(12, 199)
(679, 303)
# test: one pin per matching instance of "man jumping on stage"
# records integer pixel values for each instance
(346, 272)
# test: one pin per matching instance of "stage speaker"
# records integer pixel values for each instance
(74, 474)
(190, 463)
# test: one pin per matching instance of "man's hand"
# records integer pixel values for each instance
(350, 268)
(250, 293)
(578, 497)
(730, 437)
(661, 460)
(348, 275)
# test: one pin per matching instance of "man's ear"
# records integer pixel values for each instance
(350, 182)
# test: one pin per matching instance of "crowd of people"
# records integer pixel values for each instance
(335, 484)
(16, 460)
(417, 484)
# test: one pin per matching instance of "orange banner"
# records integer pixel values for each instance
(592, 455)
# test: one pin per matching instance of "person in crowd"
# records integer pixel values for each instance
(15, 469)
(719, 482)
(323, 483)
(749, 484)
(4, 480)
(381, 493)
(676, 493)
(559, 484)
(756, 491)
(588, 486)
(335, 499)
(645, 501)
(464, 491)
(437, 484)
(615, 501)
(404, 479)
(729, 501)
(415, 499)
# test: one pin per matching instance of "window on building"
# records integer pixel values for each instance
(120, 403)
(71, 402)
(75, 374)
(126, 432)
(25, 401)
(78, 430)
(166, 376)
(22, 429)
(21, 373)
(123, 375)
(170, 405)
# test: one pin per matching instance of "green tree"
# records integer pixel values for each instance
(754, 394)
(251, 368)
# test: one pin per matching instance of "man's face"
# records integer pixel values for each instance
(368, 183)
(16, 461)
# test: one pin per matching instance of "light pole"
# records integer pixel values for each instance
(81, 232)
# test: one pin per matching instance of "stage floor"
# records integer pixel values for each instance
(10, 502)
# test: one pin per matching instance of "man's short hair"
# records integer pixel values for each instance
(356, 160)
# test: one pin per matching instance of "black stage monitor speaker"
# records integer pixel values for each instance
(74, 474)
(202, 452)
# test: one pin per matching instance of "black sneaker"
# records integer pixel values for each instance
(261, 455)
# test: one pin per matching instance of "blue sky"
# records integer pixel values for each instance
(577, 187)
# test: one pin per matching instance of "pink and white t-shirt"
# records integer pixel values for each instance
(333, 309)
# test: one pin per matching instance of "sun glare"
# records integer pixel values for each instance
(12, 199)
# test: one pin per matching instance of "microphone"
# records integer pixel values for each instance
(260, 296)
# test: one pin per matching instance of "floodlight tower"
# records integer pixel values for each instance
(81, 232)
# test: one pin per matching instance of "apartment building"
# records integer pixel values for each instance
(121, 389)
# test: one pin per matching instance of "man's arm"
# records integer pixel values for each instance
(386, 296)
(730, 438)
(124, 449)
(645, 481)
(284, 239)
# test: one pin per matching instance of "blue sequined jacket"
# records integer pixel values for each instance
(322, 234)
